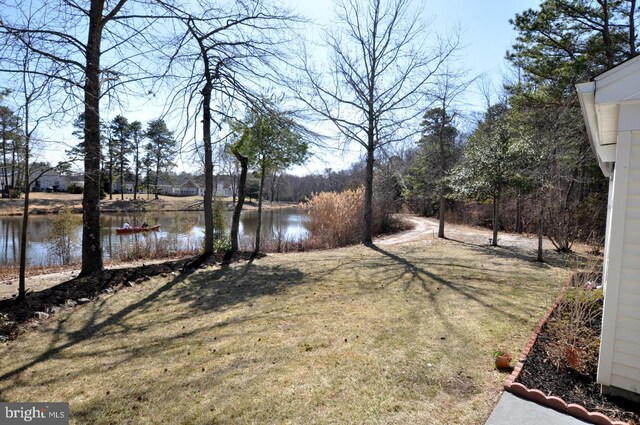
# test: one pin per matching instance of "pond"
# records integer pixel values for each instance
(179, 231)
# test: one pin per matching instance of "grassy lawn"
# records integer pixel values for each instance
(392, 334)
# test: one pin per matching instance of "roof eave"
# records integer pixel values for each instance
(587, 98)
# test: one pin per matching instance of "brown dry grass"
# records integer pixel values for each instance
(335, 218)
(393, 334)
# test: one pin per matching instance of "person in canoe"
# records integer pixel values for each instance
(127, 228)
(144, 225)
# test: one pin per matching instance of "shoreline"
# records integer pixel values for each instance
(39, 279)
(47, 203)
(421, 231)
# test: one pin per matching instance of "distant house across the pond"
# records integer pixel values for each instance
(181, 186)
(54, 181)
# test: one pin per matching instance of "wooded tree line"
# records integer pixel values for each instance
(11, 151)
(131, 153)
(531, 146)
(222, 63)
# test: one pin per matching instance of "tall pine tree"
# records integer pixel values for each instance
(121, 139)
(437, 154)
(161, 148)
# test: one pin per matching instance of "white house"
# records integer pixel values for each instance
(181, 187)
(223, 186)
(611, 109)
(51, 180)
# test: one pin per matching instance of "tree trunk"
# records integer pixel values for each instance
(539, 258)
(206, 141)
(368, 197)
(441, 213)
(4, 155)
(259, 226)
(122, 175)
(136, 178)
(496, 202)
(606, 35)
(273, 184)
(242, 182)
(519, 227)
(110, 174)
(441, 166)
(208, 163)
(157, 177)
(632, 28)
(13, 164)
(91, 243)
(581, 171)
(22, 287)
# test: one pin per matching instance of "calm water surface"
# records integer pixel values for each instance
(178, 231)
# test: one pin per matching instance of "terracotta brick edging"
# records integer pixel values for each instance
(538, 396)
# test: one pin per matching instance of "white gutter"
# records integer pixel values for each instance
(587, 97)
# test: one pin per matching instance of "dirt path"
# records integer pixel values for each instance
(426, 230)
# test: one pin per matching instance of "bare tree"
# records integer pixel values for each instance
(224, 60)
(372, 86)
(11, 148)
(55, 32)
(36, 101)
(230, 167)
(274, 186)
(33, 88)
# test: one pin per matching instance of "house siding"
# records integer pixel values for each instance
(51, 180)
(611, 109)
(625, 359)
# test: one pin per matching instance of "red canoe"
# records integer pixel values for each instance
(121, 231)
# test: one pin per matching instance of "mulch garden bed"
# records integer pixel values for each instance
(542, 370)
(15, 316)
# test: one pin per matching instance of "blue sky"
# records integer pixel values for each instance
(486, 32)
(486, 37)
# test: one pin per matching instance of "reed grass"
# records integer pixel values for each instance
(336, 219)
(147, 248)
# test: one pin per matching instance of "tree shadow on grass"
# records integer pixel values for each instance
(91, 327)
(424, 278)
(228, 286)
(205, 292)
(550, 258)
